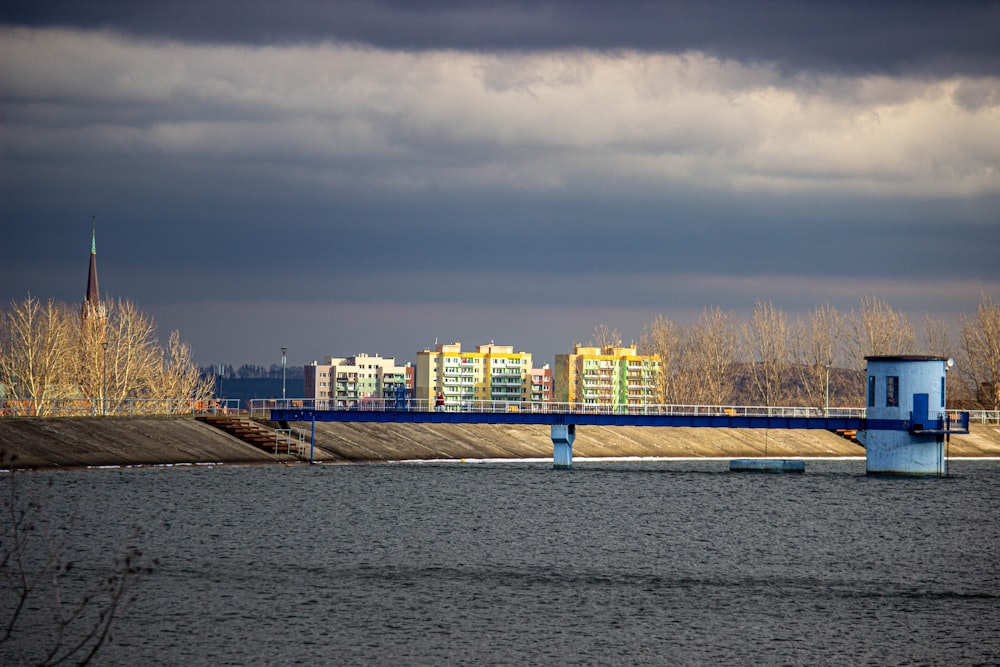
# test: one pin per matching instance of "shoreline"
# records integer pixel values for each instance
(418, 462)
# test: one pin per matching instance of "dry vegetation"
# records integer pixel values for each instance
(50, 351)
(770, 360)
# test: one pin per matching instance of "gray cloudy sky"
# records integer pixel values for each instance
(371, 176)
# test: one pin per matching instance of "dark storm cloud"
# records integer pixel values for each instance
(830, 35)
(534, 250)
(385, 194)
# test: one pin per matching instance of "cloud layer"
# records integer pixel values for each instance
(568, 178)
(891, 37)
(621, 123)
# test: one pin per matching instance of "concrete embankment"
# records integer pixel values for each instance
(62, 443)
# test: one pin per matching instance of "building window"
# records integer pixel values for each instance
(942, 391)
(892, 391)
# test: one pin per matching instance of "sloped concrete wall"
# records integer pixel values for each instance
(386, 442)
(53, 443)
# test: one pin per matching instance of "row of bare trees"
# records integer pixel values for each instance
(771, 359)
(48, 351)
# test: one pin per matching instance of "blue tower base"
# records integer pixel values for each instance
(903, 453)
(563, 436)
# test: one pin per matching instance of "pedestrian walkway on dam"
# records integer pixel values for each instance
(905, 427)
(557, 414)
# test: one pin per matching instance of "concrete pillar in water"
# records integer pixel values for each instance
(906, 417)
(563, 436)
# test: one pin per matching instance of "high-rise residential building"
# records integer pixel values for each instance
(608, 375)
(541, 384)
(347, 381)
(491, 373)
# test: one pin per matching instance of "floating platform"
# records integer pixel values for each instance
(767, 465)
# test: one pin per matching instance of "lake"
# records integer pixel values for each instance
(513, 563)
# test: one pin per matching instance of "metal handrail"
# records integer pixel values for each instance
(984, 416)
(116, 407)
(290, 437)
(261, 407)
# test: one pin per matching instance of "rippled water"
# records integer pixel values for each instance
(516, 563)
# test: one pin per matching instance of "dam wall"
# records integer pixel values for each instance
(82, 442)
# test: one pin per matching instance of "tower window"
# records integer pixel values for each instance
(892, 391)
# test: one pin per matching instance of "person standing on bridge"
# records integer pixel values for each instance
(439, 402)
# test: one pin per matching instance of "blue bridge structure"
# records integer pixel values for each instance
(563, 419)
(555, 414)
(904, 426)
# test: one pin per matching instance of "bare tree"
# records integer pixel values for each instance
(37, 362)
(937, 337)
(109, 354)
(177, 377)
(661, 339)
(688, 374)
(89, 334)
(605, 336)
(766, 338)
(817, 349)
(876, 329)
(133, 352)
(712, 351)
(938, 340)
(979, 356)
(117, 353)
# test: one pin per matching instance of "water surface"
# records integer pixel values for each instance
(671, 562)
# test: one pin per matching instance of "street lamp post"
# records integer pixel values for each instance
(104, 390)
(826, 412)
(283, 350)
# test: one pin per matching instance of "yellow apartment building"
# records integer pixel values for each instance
(606, 376)
(491, 373)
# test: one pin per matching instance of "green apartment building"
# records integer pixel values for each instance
(616, 376)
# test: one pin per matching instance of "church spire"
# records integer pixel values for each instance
(92, 299)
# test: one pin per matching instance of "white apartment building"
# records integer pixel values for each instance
(347, 381)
